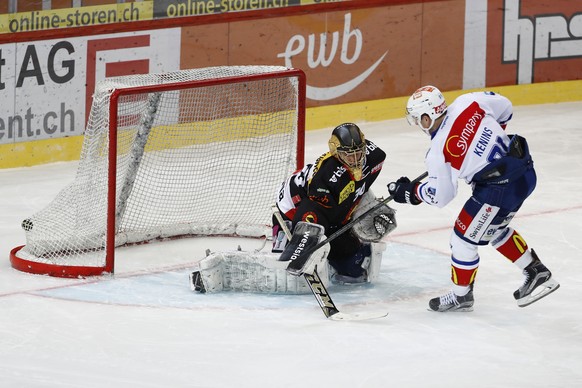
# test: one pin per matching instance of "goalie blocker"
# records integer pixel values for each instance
(305, 237)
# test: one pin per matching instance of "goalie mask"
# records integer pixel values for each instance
(429, 101)
(348, 145)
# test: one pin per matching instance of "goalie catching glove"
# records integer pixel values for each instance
(377, 223)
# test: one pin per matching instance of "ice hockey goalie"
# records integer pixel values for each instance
(266, 272)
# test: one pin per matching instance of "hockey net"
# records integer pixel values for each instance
(192, 152)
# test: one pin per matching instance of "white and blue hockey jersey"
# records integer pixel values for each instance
(471, 136)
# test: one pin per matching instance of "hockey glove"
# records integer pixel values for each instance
(404, 191)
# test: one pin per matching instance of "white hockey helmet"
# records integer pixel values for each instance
(429, 101)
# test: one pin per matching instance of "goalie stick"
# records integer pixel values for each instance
(328, 306)
(295, 267)
(320, 292)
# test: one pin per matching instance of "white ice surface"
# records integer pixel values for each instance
(143, 327)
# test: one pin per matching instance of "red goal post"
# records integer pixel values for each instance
(192, 152)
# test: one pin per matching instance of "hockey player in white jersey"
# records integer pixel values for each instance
(469, 142)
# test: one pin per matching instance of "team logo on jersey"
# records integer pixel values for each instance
(310, 217)
(462, 134)
(429, 192)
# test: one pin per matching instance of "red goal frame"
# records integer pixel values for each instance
(65, 271)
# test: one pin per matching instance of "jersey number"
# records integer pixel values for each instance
(498, 150)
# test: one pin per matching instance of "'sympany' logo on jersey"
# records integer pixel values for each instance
(462, 134)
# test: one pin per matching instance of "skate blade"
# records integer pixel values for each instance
(460, 310)
(541, 291)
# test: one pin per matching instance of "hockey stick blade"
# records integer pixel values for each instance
(361, 316)
(328, 306)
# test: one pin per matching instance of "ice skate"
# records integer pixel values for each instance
(453, 302)
(537, 284)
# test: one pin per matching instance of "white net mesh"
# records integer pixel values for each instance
(200, 159)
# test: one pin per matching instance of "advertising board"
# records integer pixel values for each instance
(352, 56)
(47, 85)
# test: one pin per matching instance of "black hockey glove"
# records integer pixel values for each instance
(404, 191)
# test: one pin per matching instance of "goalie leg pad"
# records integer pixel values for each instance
(209, 274)
(370, 267)
(258, 272)
(375, 262)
